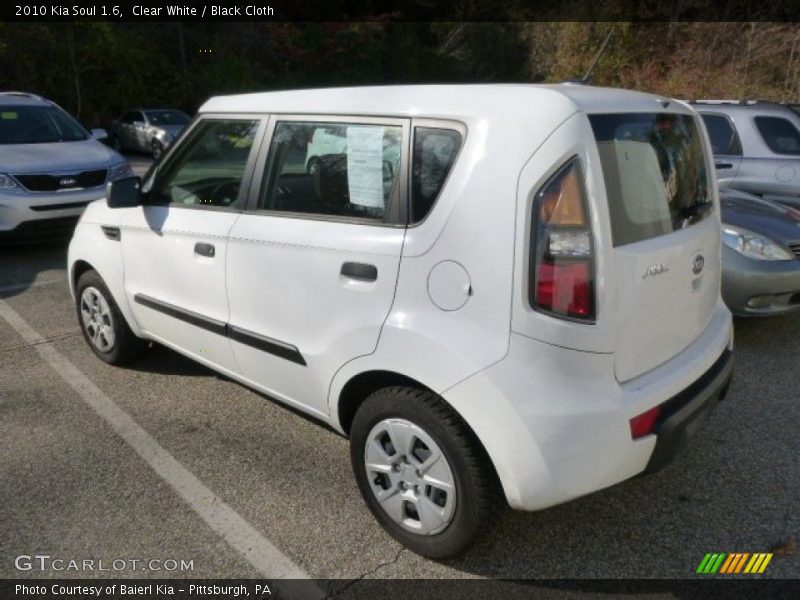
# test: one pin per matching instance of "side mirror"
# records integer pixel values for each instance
(124, 193)
(100, 134)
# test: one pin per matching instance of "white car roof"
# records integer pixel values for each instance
(446, 101)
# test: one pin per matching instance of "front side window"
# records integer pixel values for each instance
(435, 152)
(779, 134)
(333, 169)
(655, 173)
(723, 137)
(38, 125)
(208, 168)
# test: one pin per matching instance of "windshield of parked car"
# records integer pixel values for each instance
(167, 117)
(38, 125)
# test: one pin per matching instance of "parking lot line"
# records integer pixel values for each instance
(268, 560)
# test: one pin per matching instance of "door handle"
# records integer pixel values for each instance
(204, 249)
(720, 166)
(360, 271)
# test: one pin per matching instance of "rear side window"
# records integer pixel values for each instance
(779, 134)
(655, 173)
(724, 139)
(333, 169)
(435, 151)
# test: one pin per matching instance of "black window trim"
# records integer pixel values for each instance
(176, 150)
(733, 128)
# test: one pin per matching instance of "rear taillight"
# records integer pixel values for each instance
(561, 278)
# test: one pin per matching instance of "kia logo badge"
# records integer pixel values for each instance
(67, 181)
(697, 264)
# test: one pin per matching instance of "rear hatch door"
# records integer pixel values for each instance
(665, 233)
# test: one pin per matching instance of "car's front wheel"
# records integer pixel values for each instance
(422, 472)
(116, 144)
(157, 149)
(103, 325)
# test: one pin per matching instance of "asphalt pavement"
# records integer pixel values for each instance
(74, 484)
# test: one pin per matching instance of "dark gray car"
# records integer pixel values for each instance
(148, 130)
(756, 147)
(760, 255)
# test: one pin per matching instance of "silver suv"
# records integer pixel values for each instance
(756, 147)
(50, 168)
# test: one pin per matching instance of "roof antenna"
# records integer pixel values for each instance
(586, 78)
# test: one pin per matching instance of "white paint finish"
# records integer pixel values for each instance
(545, 401)
(284, 281)
(449, 286)
(555, 422)
(158, 245)
(259, 552)
(658, 316)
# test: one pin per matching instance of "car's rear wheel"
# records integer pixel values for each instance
(103, 325)
(422, 472)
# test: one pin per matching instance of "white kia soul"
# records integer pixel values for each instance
(503, 294)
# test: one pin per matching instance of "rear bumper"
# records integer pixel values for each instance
(682, 415)
(774, 286)
(556, 422)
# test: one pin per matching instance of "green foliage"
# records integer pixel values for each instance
(99, 69)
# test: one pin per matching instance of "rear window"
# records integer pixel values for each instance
(655, 173)
(780, 135)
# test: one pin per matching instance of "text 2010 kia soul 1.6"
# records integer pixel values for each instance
(502, 294)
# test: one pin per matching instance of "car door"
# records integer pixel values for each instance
(313, 262)
(174, 246)
(726, 145)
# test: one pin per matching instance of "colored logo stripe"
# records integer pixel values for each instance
(711, 563)
(733, 563)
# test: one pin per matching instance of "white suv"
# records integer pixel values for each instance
(50, 168)
(523, 308)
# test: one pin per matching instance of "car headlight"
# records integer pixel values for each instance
(753, 245)
(7, 182)
(119, 171)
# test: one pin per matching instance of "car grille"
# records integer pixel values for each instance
(62, 181)
(795, 247)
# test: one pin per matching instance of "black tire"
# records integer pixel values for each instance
(157, 149)
(312, 166)
(126, 346)
(116, 144)
(479, 498)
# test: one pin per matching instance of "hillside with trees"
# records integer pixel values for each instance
(97, 69)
